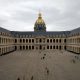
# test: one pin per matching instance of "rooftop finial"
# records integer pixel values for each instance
(39, 14)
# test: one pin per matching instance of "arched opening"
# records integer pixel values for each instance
(29, 40)
(40, 40)
(79, 50)
(4, 50)
(26, 47)
(50, 47)
(0, 51)
(54, 40)
(64, 47)
(23, 47)
(53, 47)
(26, 40)
(40, 47)
(60, 40)
(15, 47)
(59, 47)
(56, 47)
(47, 40)
(50, 40)
(0, 39)
(32, 40)
(20, 40)
(23, 40)
(47, 47)
(20, 47)
(29, 47)
(32, 47)
(64, 40)
(15, 40)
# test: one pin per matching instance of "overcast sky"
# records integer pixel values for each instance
(20, 15)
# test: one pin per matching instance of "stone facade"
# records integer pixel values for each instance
(39, 39)
(6, 42)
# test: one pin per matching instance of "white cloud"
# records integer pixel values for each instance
(22, 14)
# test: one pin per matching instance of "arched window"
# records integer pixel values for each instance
(64, 40)
(50, 40)
(15, 40)
(20, 40)
(29, 40)
(56, 47)
(47, 40)
(26, 40)
(53, 47)
(20, 47)
(60, 40)
(50, 47)
(47, 47)
(32, 47)
(54, 40)
(27, 47)
(23, 40)
(0, 39)
(65, 47)
(32, 40)
(59, 47)
(23, 47)
(15, 47)
(40, 40)
(0, 51)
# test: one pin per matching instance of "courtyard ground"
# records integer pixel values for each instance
(40, 65)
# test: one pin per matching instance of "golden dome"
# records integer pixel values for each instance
(39, 24)
(39, 20)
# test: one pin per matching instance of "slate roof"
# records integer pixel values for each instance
(75, 31)
(4, 30)
(50, 33)
(47, 33)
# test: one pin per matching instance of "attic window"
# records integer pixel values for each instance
(26, 35)
(23, 36)
(20, 36)
(1, 33)
(29, 35)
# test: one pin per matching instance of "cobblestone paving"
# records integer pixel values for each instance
(40, 65)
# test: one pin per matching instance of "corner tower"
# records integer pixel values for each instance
(40, 24)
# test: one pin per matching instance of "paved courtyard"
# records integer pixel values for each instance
(40, 65)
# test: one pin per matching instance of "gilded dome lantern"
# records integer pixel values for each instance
(39, 24)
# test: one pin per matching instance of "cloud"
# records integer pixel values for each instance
(22, 14)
